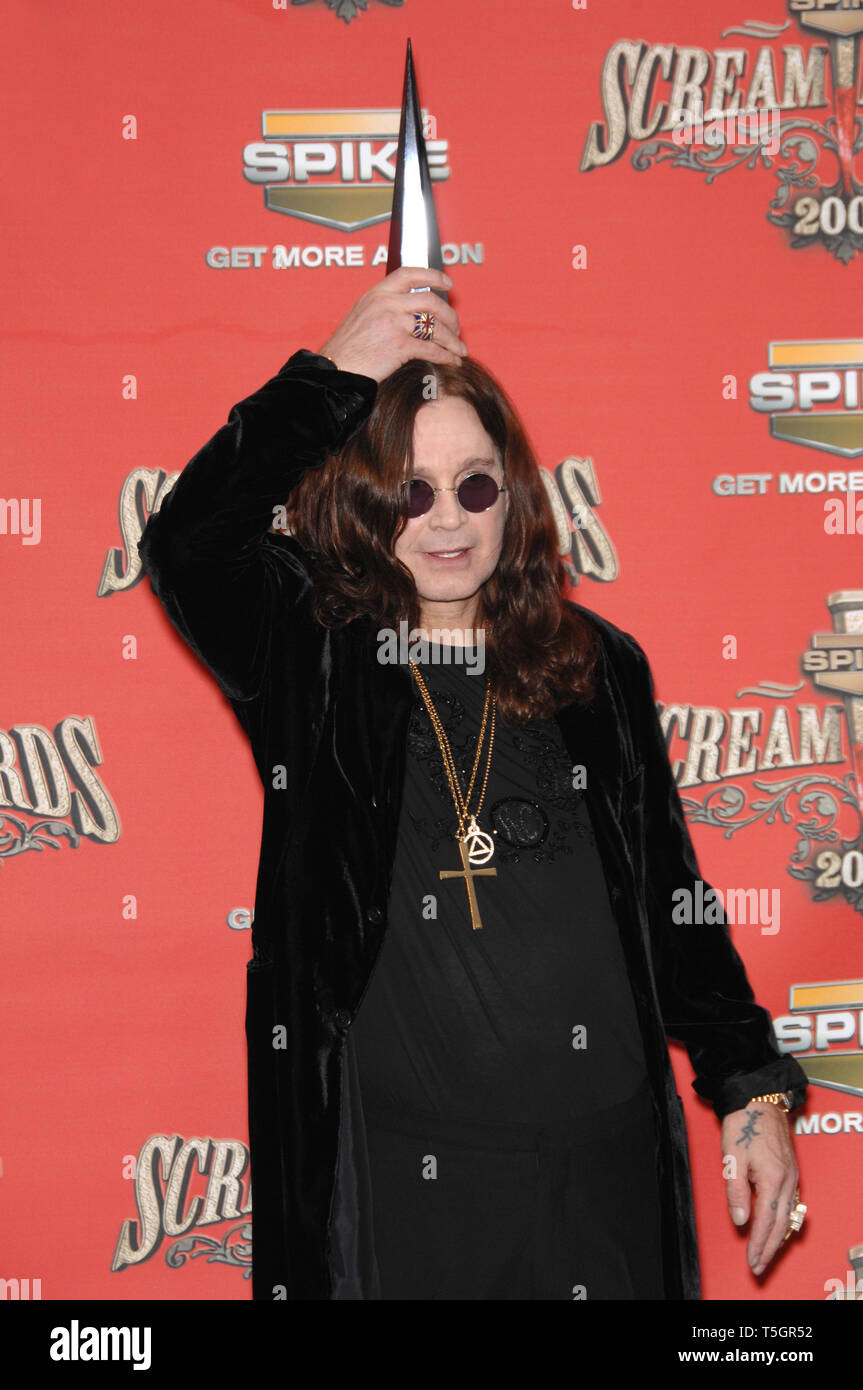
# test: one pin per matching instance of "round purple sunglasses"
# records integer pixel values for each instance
(476, 493)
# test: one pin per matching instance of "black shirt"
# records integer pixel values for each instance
(531, 1018)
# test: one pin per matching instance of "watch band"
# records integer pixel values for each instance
(783, 1098)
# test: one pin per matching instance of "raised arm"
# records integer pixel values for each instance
(206, 550)
(212, 561)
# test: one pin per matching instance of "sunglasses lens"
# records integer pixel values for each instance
(478, 492)
(420, 497)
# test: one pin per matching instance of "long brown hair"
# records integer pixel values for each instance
(347, 515)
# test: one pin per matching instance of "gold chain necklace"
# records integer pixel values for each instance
(475, 845)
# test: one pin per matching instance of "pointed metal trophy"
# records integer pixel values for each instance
(414, 236)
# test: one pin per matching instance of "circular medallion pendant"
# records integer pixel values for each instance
(480, 845)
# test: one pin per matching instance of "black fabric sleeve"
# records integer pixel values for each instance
(213, 563)
(705, 996)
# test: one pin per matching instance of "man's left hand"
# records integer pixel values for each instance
(759, 1140)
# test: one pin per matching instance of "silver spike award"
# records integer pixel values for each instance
(414, 238)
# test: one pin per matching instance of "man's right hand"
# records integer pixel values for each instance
(375, 337)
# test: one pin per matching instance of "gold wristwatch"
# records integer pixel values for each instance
(783, 1098)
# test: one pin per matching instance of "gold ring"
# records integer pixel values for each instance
(796, 1216)
(423, 325)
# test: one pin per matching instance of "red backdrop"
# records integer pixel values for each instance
(130, 804)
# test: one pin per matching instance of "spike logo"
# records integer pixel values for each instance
(334, 168)
(813, 394)
(824, 1031)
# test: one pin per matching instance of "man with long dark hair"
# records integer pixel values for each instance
(465, 954)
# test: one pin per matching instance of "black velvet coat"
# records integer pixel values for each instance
(316, 704)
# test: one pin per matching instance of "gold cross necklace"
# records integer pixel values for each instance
(475, 845)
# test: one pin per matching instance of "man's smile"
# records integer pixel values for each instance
(448, 555)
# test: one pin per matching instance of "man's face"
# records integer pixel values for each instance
(449, 551)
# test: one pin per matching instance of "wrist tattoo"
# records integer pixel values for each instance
(748, 1132)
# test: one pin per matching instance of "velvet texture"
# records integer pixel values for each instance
(317, 703)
